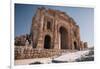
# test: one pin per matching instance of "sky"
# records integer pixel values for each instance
(84, 17)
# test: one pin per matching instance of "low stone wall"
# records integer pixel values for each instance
(28, 53)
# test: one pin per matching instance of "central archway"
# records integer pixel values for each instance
(63, 38)
(47, 42)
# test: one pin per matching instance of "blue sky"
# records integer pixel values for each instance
(84, 17)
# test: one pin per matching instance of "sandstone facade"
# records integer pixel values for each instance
(53, 29)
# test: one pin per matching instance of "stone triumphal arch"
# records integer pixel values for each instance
(53, 29)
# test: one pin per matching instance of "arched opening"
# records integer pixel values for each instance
(47, 42)
(75, 45)
(63, 38)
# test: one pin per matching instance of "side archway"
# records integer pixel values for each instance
(75, 45)
(47, 42)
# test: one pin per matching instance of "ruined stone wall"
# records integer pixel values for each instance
(21, 40)
(28, 53)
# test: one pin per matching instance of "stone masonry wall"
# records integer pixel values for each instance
(24, 52)
(28, 53)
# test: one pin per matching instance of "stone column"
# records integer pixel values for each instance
(85, 45)
(78, 36)
(69, 38)
(59, 37)
(56, 38)
(40, 38)
(56, 45)
(40, 42)
(81, 45)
